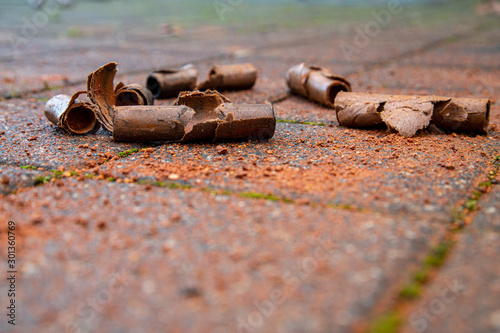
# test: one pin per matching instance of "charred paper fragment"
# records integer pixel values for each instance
(316, 83)
(133, 94)
(168, 83)
(230, 77)
(408, 114)
(72, 114)
(195, 116)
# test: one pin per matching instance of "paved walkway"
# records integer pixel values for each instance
(321, 229)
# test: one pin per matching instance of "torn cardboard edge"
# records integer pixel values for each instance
(230, 77)
(195, 116)
(316, 83)
(409, 114)
(101, 93)
(72, 114)
(167, 83)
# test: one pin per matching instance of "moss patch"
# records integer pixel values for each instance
(387, 323)
(290, 121)
(127, 152)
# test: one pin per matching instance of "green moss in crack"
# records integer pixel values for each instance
(42, 180)
(435, 259)
(387, 323)
(290, 121)
(144, 182)
(486, 184)
(171, 185)
(28, 167)
(256, 195)
(410, 291)
(57, 173)
(127, 152)
(421, 276)
(177, 186)
(471, 205)
(458, 215)
(438, 254)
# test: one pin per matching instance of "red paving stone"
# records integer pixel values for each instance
(28, 139)
(198, 253)
(327, 165)
(464, 297)
(193, 261)
(299, 109)
(13, 178)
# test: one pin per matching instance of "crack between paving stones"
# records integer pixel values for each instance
(49, 176)
(391, 320)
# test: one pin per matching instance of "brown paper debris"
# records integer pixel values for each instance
(132, 94)
(316, 83)
(100, 91)
(195, 116)
(149, 123)
(72, 114)
(230, 77)
(408, 114)
(168, 83)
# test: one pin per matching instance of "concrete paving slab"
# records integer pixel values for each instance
(131, 254)
(487, 219)
(464, 297)
(330, 165)
(14, 178)
(29, 139)
(300, 109)
(409, 80)
(126, 257)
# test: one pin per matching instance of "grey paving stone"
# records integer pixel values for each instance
(126, 257)
(367, 169)
(464, 298)
(28, 138)
(15, 178)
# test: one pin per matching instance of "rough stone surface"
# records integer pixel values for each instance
(125, 237)
(214, 257)
(464, 297)
(328, 165)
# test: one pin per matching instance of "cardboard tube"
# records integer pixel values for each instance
(408, 114)
(195, 116)
(463, 115)
(150, 123)
(71, 114)
(215, 118)
(245, 122)
(132, 94)
(230, 77)
(316, 83)
(169, 83)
